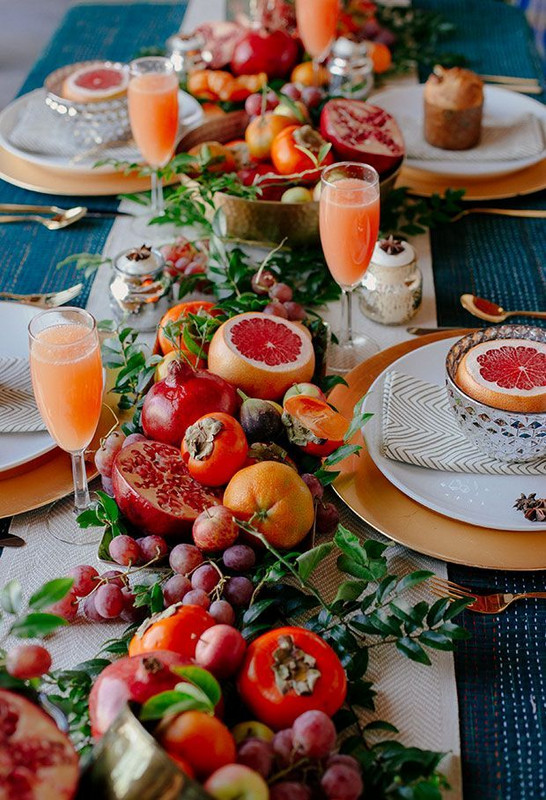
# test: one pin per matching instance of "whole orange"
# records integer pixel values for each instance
(380, 55)
(177, 629)
(305, 75)
(261, 131)
(199, 739)
(177, 314)
(274, 499)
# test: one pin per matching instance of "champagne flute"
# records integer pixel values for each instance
(153, 114)
(349, 224)
(66, 371)
(317, 22)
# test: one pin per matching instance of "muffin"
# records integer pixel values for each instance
(453, 108)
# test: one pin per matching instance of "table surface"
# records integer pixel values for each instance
(500, 670)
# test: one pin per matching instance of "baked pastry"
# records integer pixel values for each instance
(509, 374)
(453, 108)
(95, 83)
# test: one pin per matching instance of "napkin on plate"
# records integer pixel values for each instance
(41, 130)
(18, 412)
(419, 428)
(522, 138)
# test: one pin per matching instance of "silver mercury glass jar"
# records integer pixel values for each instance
(140, 288)
(392, 288)
(185, 53)
(351, 70)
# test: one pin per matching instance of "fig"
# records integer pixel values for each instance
(261, 420)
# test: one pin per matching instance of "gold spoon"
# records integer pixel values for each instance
(62, 219)
(485, 309)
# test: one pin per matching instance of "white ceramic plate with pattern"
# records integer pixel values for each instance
(19, 448)
(485, 500)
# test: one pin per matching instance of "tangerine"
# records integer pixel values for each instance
(380, 55)
(199, 739)
(305, 75)
(176, 314)
(176, 629)
(274, 499)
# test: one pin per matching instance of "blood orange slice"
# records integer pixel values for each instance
(94, 83)
(261, 354)
(509, 374)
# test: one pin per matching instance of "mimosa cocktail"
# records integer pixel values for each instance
(349, 224)
(317, 23)
(66, 371)
(153, 113)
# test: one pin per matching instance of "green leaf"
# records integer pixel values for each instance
(341, 453)
(309, 561)
(11, 597)
(414, 578)
(412, 649)
(50, 593)
(88, 519)
(350, 590)
(257, 609)
(435, 639)
(171, 702)
(36, 625)
(380, 725)
(347, 564)
(203, 680)
(110, 506)
(326, 477)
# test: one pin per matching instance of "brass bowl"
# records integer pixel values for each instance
(264, 222)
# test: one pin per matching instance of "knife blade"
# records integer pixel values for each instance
(424, 331)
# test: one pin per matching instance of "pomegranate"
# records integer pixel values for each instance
(177, 401)
(155, 491)
(220, 41)
(131, 678)
(37, 760)
(359, 131)
(259, 51)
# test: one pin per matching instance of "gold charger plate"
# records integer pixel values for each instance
(45, 479)
(525, 181)
(376, 501)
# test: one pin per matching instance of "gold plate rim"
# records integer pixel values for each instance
(406, 521)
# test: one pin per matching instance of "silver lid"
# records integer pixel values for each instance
(140, 261)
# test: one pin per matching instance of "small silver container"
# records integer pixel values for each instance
(185, 53)
(351, 70)
(392, 287)
(507, 435)
(140, 288)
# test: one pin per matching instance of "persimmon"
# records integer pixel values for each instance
(199, 739)
(177, 629)
(320, 428)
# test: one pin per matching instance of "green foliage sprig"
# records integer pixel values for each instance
(33, 621)
(405, 215)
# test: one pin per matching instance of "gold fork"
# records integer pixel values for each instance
(530, 213)
(481, 603)
(45, 300)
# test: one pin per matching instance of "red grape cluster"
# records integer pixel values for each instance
(310, 96)
(264, 282)
(108, 450)
(305, 755)
(183, 258)
(326, 514)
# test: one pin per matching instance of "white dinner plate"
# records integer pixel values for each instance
(191, 113)
(501, 107)
(485, 500)
(18, 448)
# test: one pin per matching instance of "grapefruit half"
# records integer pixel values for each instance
(95, 83)
(509, 374)
(262, 354)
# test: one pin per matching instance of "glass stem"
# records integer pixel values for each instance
(82, 501)
(158, 208)
(346, 316)
(316, 72)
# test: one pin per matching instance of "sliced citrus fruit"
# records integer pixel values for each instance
(314, 425)
(509, 374)
(261, 354)
(95, 83)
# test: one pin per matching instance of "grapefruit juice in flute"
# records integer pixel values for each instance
(317, 22)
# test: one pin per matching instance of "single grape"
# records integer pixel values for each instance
(257, 754)
(276, 309)
(175, 588)
(181, 263)
(239, 557)
(129, 612)
(109, 601)
(132, 438)
(238, 591)
(205, 578)
(327, 517)
(115, 577)
(314, 734)
(292, 91)
(342, 782)
(197, 597)
(67, 607)
(289, 790)
(311, 96)
(283, 747)
(386, 37)
(184, 558)
(125, 550)
(85, 579)
(107, 451)
(28, 661)
(262, 282)
(272, 101)
(371, 29)
(153, 547)
(348, 761)
(253, 105)
(222, 612)
(194, 268)
(107, 485)
(295, 311)
(281, 292)
(314, 485)
(90, 610)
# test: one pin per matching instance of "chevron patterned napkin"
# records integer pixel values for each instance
(419, 428)
(18, 412)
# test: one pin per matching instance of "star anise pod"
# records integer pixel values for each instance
(533, 508)
(536, 514)
(140, 253)
(392, 246)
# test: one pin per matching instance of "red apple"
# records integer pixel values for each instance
(275, 53)
(215, 529)
(221, 650)
(236, 782)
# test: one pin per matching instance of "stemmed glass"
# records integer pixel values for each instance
(153, 113)
(66, 371)
(317, 22)
(349, 224)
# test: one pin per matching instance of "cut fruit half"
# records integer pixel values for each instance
(314, 425)
(261, 354)
(509, 374)
(95, 83)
